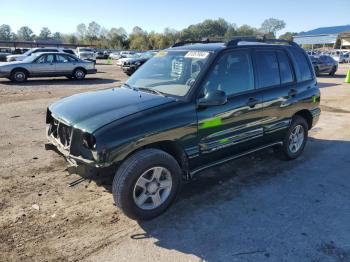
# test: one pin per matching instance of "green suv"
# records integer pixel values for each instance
(190, 107)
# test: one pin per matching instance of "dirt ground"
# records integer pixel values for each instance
(254, 209)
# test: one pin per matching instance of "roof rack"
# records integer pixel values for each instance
(203, 41)
(234, 41)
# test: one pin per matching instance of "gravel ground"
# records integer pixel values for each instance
(257, 208)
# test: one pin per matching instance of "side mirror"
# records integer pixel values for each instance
(213, 98)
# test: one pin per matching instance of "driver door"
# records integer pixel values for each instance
(235, 127)
(44, 65)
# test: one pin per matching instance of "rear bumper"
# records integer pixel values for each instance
(92, 71)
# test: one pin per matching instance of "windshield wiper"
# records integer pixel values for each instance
(151, 90)
(130, 87)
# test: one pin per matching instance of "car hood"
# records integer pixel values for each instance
(92, 110)
(10, 64)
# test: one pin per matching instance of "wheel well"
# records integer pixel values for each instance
(306, 114)
(82, 68)
(20, 68)
(173, 149)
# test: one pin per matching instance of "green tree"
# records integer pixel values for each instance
(25, 33)
(57, 36)
(272, 25)
(45, 33)
(288, 36)
(93, 31)
(81, 31)
(5, 32)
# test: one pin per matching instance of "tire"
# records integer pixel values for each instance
(141, 169)
(286, 149)
(332, 73)
(317, 71)
(79, 74)
(19, 76)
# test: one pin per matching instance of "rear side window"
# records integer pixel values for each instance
(304, 71)
(267, 69)
(285, 68)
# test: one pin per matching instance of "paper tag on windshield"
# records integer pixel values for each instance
(197, 54)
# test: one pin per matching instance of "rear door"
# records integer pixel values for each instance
(64, 64)
(235, 127)
(276, 80)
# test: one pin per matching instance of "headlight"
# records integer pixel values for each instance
(89, 141)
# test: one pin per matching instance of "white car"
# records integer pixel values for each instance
(114, 55)
(11, 58)
(126, 58)
(86, 53)
(340, 56)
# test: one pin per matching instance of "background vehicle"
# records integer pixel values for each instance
(21, 57)
(131, 65)
(86, 54)
(4, 52)
(189, 108)
(324, 64)
(47, 64)
(340, 56)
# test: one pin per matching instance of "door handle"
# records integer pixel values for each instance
(252, 102)
(292, 92)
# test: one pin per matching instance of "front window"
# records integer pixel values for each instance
(170, 72)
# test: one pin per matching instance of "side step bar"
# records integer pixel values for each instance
(195, 171)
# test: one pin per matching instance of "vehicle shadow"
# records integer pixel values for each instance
(324, 85)
(221, 214)
(217, 217)
(62, 81)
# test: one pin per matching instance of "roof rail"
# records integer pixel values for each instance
(234, 41)
(203, 41)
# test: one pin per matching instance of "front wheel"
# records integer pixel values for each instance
(295, 139)
(19, 76)
(146, 184)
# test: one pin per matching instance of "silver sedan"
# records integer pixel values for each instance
(45, 65)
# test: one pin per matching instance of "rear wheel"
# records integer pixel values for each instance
(317, 71)
(19, 76)
(332, 73)
(295, 139)
(146, 184)
(79, 74)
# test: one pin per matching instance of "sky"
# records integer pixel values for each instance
(155, 15)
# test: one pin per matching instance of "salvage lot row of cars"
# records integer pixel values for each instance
(74, 64)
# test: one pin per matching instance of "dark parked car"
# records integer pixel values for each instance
(324, 64)
(130, 66)
(190, 107)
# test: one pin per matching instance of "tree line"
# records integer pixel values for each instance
(118, 38)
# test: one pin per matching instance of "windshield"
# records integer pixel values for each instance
(30, 59)
(170, 72)
(29, 52)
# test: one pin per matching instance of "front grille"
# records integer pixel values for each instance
(61, 132)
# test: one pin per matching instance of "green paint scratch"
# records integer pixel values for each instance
(216, 121)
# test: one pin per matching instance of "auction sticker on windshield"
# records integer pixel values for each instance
(197, 54)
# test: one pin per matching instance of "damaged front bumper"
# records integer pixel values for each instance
(69, 142)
